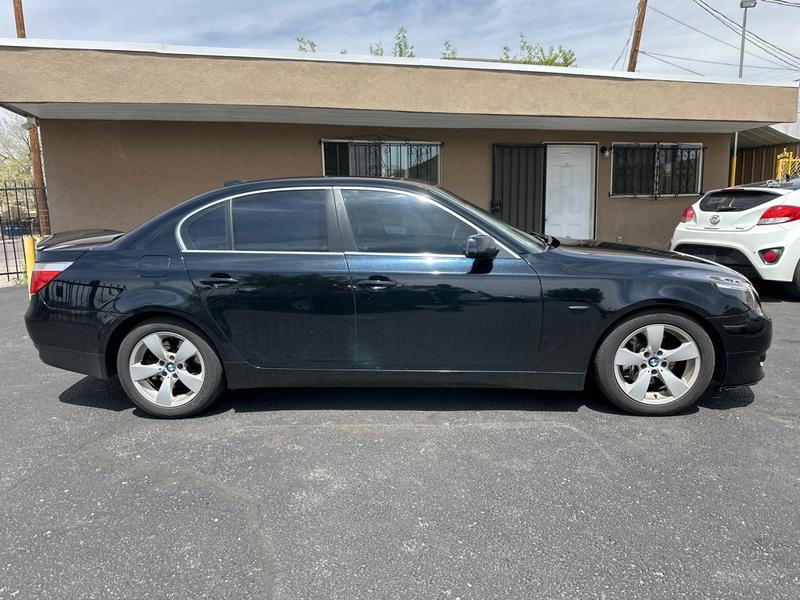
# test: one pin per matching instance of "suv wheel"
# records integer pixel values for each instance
(793, 288)
(657, 363)
(168, 369)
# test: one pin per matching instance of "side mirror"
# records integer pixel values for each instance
(480, 246)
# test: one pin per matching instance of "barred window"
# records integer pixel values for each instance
(406, 160)
(656, 169)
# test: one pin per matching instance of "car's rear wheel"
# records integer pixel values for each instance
(656, 363)
(169, 369)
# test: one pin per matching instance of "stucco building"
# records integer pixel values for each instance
(130, 130)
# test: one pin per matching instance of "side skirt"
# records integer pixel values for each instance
(244, 375)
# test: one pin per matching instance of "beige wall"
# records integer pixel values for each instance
(117, 174)
(45, 75)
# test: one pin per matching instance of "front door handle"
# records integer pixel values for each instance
(219, 279)
(376, 282)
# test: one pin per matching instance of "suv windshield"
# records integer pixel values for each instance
(531, 242)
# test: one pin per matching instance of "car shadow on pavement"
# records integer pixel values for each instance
(97, 393)
(406, 399)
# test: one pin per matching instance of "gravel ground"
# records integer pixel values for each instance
(348, 494)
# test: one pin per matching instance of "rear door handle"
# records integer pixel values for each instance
(219, 279)
(376, 282)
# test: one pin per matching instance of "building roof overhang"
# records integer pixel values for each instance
(93, 80)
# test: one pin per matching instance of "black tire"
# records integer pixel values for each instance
(605, 369)
(213, 381)
(793, 288)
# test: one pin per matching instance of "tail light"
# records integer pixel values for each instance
(44, 273)
(688, 215)
(780, 214)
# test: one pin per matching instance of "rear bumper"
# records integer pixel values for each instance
(745, 339)
(739, 249)
(69, 339)
(74, 360)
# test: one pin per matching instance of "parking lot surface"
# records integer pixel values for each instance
(470, 494)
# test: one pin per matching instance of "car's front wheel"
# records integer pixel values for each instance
(656, 363)
(169, 369)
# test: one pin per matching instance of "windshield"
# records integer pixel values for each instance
(530, 241)
(734, 200)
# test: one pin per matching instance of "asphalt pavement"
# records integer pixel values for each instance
(364, 493)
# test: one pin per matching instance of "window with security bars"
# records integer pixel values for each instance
(405, 160)
(656, 169)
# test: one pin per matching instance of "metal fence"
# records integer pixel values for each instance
(18, 219)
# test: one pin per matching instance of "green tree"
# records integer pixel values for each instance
(15, 150)
(402, 47)
(306, 45)
(534, 54)
(376, 49)
(449, 51)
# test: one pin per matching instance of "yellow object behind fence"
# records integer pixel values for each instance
(29, 244)
(786, 165)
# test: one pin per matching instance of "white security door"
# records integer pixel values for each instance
(570, 191)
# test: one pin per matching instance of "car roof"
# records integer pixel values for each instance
(389, 182)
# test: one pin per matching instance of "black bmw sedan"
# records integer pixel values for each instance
(370, 282)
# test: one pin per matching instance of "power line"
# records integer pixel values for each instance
(784, 3)
(756, 40)
(716, 62)
(670, 63)
(708, 35)
(622, 52)
(738, 28)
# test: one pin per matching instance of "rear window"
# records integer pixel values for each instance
(734, 200)
(208, 229)
(291, 220)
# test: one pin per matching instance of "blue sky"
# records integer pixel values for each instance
(595, 29)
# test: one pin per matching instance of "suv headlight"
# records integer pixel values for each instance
(741, 289)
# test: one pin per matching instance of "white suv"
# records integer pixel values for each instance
(754, 229)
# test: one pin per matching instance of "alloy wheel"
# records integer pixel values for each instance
(657, 364)
(166, 369)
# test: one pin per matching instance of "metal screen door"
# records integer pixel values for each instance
(518, 180)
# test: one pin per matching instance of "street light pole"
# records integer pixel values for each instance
(745, 4)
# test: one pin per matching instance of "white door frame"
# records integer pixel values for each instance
(593, 205)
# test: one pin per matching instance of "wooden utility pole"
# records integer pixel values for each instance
(637, 35)
(36, 150)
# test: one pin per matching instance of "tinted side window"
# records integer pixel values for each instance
(291, 220)
(208, 229)
(386, 221)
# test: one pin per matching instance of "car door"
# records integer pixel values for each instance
(420, 303)
(269, 267)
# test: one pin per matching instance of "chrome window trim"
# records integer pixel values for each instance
(183, 247)
(261, 252)
(424, 199)
(407, 254)
(334, 189)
